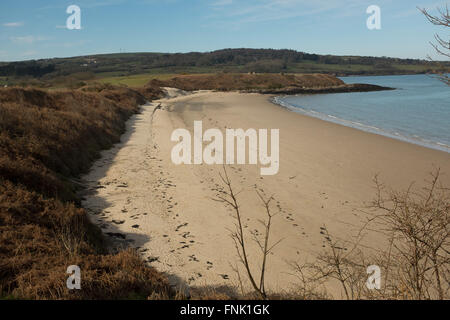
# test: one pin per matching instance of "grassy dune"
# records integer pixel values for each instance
(239, 81)
(264, 83)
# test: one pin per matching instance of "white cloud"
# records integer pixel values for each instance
(414, 10)
(87, 4)
(249, 11)
(220, 3)
(27, 39)
(13, 24)
(107, 3)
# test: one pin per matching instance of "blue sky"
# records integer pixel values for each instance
(35, 29)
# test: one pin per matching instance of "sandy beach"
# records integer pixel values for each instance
(140, 198)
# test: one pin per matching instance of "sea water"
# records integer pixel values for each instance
(418, 111)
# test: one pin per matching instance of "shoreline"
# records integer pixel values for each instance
(365, 128)
(346, 88)
(141, 199)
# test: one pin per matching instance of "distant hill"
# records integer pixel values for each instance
(226, 60)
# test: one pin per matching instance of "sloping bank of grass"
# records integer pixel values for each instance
(266, 83)
(47, 139)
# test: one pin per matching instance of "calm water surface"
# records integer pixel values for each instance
(418, 111)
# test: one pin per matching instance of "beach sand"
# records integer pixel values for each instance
(168, 211)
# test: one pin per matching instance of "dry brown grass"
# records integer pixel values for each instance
(46, 139)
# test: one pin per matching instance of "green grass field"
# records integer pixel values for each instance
(137, 80)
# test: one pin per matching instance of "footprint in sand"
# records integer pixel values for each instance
(193, 258)
(186, 235)
(181, 226)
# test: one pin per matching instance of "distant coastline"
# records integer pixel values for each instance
(357, 87)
